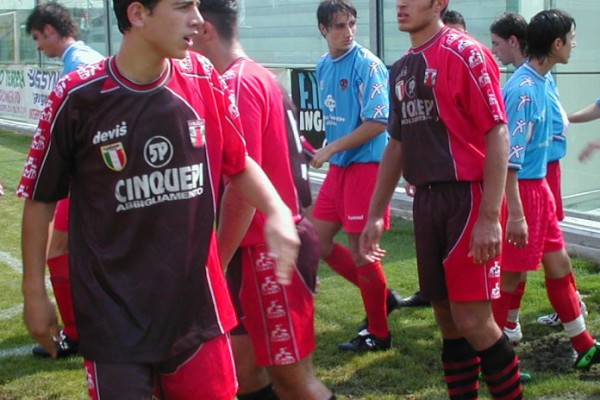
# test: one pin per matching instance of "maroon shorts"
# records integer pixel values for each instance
(444, 215)
(346, 194)
(545, 235)
(207, 373)
(61, 215)
(553, 179)
(279, 319)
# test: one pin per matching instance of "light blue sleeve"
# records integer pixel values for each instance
(520, 113)
(375, 80)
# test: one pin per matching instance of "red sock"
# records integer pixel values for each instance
(515, 306)
(61, 284)
(500, 308)
(340, 260)
(566, 303)
(373, 290)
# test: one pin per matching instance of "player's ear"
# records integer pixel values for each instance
(137, 13)
(323, 29)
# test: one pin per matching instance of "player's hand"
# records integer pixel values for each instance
(486, 240)
(40, 319)
(321, 156)
(282, 238)
(369, 241)
(590, 149)
(517, 232)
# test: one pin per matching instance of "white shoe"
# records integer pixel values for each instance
(553, 320)
(514, 335)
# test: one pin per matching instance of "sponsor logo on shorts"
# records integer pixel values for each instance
(494, 270)
(280, 334)
(495, 294)
(356, 217)
(284, 357)
(264, 263)
(275, 310)
(269, 286)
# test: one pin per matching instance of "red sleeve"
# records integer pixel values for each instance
(252, 105)
(234, 147)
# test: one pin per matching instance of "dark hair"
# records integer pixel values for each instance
(544, 28)
(223, 14)
(120, 8)
(454, 18)
(55, 15)
(328, 8)
(511, 24)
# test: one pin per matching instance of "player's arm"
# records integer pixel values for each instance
(38, 313)
(486, 240)
(234, 220)
(362, 134)
(516, 225)
(390, 171)
(280, 230)
(586, 114)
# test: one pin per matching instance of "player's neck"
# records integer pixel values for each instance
(140, 69)
(231, 52)
(544, 66)
(421, 36)
(65, 43)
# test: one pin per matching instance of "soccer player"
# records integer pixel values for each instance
(354, 99)
(53, 29)
(509, 45)
(455, 20)
(274, 342)
(532, 231)
(141, 142)
(449, 139)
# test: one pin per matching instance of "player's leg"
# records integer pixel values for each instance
(254, 381)
(298, 381)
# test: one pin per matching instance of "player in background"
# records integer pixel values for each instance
(455, 20)
(354, 99)
(55, 32)
(533, 235)
(586, 114)
(141, 142)
(274, 342)
(456, 156)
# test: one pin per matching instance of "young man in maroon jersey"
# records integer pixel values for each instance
(141, 142)
(275, 339)
(449, 139)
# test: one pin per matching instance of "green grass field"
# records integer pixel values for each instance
(411, 370)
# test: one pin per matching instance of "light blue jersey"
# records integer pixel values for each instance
(353, 89)
(560, 123)
(528, 108)
(77, 54)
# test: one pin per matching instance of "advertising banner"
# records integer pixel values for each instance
(305, 95)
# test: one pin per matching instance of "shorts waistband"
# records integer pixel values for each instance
(445, 185)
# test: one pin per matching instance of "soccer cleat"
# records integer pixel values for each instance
(64, 348)
(514, 335)
(392, 300)
(416, 300)
(553, 320)
(365, 341)
(590, 357)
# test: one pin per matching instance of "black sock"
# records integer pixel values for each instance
(500, 368)
(266, 393)
(461, 369)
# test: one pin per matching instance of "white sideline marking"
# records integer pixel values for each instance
(18, 351)
(12, 262)
(11, 312)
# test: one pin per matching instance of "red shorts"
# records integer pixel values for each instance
(346, 194)
(61, 215)
(553, 179)
(444, 215)
(544, 232)
(279, 319)
(207, 373)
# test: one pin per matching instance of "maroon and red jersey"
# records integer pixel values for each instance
(445, 97)
(142, 163)
(271, 135)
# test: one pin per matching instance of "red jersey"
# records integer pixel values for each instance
(270, 135)
(445, 97)
(142, 164)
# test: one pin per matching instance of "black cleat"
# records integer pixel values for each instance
(365, 341)
(414, 301)
(64, 348)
